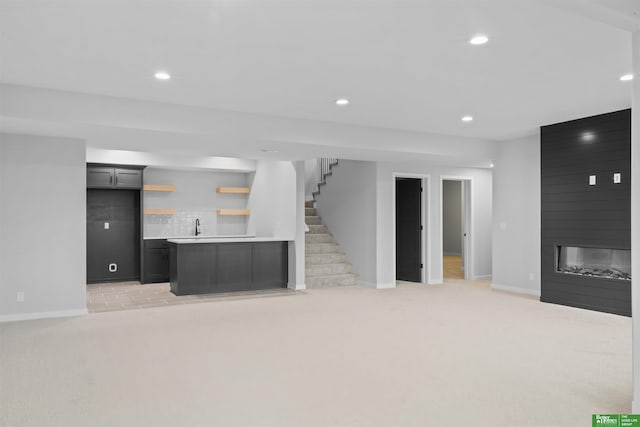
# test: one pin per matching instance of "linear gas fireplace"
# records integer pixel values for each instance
(605, 263)
(585, 208)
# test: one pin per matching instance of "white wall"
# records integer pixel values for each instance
(635, 220)
(347, 205)
(310, 178)
(42, 226)
(273, 200)
(195, 197)
(297, 246)
(516, 214)
(480, 234)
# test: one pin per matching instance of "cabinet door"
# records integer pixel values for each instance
(98, 177)
(128, 178)
(156, 261)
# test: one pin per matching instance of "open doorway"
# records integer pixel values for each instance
(456, 206)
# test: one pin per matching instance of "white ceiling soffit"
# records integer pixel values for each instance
(623, 14)
(404, 65)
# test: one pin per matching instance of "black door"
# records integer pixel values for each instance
(113, 235)
(408, 229)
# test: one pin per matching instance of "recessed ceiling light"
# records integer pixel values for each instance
(341, 102)
(467, 119)
(588, 136)
(162, 75)
(626, 78)
(479, 39)
(491, 165)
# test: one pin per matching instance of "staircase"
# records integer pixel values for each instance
(325, 265)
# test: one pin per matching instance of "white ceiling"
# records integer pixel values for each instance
(403, 64)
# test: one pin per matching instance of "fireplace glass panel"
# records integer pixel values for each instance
(595, 262)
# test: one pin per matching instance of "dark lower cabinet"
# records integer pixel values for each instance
(156, 261)
(233, 265)
(199, 268)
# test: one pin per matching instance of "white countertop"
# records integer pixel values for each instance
(224, 239)
(223, 236)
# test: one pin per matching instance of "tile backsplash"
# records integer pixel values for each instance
(195, 197)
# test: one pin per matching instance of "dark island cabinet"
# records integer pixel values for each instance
(156, 261)
(113, 178)
(199, 268)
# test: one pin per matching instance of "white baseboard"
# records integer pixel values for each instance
(436, 281)
(43, 315)
(367, 284)
(385, 285)
(482, 277)
(297, 287)
(515, 289)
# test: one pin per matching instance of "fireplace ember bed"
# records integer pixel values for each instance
(604, 263)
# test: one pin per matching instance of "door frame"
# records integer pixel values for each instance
(468, 254)
(425, 215)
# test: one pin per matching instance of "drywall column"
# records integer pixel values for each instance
(43, 227)
(516, 216)
(635, 220)
(296, 247)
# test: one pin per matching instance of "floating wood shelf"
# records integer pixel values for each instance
(148, 187)
(233, 190)
(159, 211)
(233, 212)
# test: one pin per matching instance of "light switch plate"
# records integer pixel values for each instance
(592, 180)
(617, 178)
(106, 225)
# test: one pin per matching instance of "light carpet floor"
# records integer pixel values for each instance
(458, 354)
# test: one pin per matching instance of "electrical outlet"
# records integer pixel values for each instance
(106, 225)
(531, 276)
(20, 296)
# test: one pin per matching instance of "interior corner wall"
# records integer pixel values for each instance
(272, 200)
(347, 205)
(42, 227)
(635, 219)
(516, 214)
(310, 178)
(481, 218)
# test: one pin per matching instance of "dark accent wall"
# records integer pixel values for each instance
(577, 214)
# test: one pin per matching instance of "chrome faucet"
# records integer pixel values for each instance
(198, 226)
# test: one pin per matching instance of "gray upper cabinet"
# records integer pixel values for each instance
(99, 177)
(128, 178)
(111, 177)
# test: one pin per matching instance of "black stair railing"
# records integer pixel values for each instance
(325, 170)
